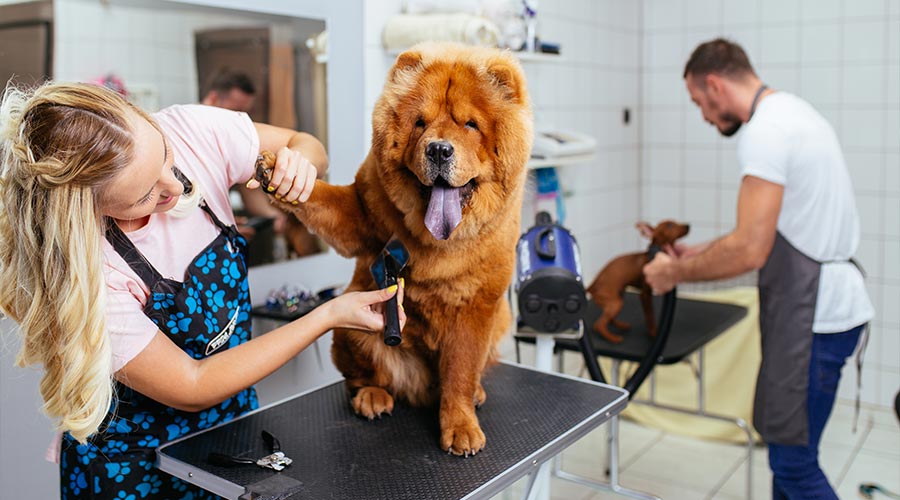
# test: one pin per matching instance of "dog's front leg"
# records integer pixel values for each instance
(462, 360)
(335, 213)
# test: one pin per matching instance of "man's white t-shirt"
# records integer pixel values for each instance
(789, 143)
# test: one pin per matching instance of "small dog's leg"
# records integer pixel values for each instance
(611, 309)
(647, 305)
(621, 325)
(372, 402)
(600, 326)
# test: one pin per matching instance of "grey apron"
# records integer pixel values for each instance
(788, 288)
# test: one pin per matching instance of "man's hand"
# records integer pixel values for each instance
(661, 273)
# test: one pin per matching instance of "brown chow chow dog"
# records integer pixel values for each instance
(451, 134)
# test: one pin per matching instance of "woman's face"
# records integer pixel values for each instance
(147, 185)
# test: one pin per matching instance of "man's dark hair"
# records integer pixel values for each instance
(718, 56)
(226, 80)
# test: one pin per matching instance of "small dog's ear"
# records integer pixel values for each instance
(645, 229)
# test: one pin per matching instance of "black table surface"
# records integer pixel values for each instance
(696, 322)
(529, 416)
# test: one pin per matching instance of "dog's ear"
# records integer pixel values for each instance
(645, 229)
(408, 63)
(507, 76)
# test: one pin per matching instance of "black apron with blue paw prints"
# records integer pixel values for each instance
(207, 313)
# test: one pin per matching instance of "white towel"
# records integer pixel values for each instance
(405, 30)
(442, 6)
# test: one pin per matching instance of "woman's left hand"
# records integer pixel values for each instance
(293, 177)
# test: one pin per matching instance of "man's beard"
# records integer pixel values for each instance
(731, 123)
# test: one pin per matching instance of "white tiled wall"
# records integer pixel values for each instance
(586, 90)
(843, 56)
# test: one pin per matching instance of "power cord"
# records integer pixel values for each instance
(867, 490)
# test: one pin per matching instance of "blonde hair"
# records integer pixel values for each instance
(60, 146)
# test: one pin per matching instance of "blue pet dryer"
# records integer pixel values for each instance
(549, 288)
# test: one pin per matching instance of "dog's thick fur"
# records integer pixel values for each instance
(608, 287)
(476, 100)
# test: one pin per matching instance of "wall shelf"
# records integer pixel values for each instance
(522, 55)
(559, 161)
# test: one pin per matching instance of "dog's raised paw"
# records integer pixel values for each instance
(463, 440)
(372, 402)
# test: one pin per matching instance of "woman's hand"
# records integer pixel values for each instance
(364, 310)
(293, 177)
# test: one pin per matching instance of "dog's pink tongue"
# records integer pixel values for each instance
(444, 212)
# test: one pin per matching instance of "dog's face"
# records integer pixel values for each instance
(665, 233)
(452, 133)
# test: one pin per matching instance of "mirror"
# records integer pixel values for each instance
(165, 53)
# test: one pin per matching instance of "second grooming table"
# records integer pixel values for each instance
(529, 417)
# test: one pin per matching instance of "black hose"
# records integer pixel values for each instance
(654, 354)
(590, 358)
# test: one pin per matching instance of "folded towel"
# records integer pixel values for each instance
(405, 30)
(442, 6)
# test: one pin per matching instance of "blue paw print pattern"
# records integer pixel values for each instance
(149, 485)
(212, 325)
(208, 418)
(114, 447)
(86, 453)
(231, 273)
(124, 495)
(148, 442)
(120, 426)
(193, 302)
(207, 261)
(178, 428)
(163, 300)
(144, 420)
(77, 481)
(178, 323)
(215, 297)
(118, 470)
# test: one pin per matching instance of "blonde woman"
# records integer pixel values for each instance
(120, 261)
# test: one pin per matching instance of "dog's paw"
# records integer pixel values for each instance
(480, 396)
(372, 402)
(463, 440)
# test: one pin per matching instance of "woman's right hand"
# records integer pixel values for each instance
(364, 310)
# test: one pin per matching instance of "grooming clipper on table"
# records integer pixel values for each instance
(608, 287)
(450, 138)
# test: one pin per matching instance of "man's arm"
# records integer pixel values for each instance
(745, 249)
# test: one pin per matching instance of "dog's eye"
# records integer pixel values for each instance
(420, 123)
(472, 125)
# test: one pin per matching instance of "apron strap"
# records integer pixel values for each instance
(860, 353)
(132, 256)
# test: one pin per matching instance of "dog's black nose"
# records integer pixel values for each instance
(439, 152)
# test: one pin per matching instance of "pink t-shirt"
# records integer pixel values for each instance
(216, 149)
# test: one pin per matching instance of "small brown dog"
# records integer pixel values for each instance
(608, 287)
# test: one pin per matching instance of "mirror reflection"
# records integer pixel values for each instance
(262, 64)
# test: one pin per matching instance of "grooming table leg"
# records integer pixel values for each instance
(612, 442)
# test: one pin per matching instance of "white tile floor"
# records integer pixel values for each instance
(676, 467)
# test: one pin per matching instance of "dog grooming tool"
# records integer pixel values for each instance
(386, 270)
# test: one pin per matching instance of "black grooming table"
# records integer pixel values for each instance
(696, 322)
(529, 417)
